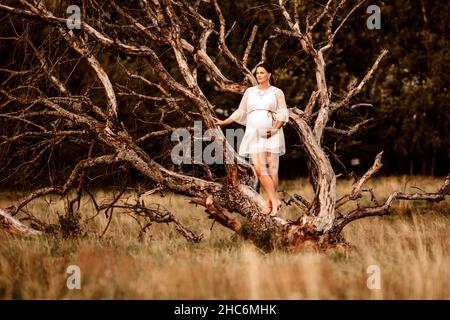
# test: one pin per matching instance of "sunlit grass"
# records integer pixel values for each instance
(411, 248)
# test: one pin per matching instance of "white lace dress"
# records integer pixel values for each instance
(258, 111)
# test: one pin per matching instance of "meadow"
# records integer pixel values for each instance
(410, 247)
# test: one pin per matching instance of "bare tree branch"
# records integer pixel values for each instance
(384, 209)
(349, 131)
(14, 226)
(357, 188)
(356, 89)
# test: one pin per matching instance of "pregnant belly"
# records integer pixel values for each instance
(259, 119)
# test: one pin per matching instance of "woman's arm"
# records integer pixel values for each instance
(279, 124)
(223, 122)
(239, 115)
(282, 115)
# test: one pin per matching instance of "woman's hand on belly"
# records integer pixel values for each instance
(270, 132)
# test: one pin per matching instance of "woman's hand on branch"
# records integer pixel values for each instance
(219, 122)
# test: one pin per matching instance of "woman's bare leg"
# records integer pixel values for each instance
(260, 163)
(273, 165)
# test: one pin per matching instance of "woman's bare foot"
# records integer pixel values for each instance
(267, 209)
(275, 208)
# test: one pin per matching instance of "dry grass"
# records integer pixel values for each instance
(411, 249)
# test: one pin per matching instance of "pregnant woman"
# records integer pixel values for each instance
(263, 111)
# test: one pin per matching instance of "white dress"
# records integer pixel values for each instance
(258, 111)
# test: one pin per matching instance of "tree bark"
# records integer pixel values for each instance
(13, 226)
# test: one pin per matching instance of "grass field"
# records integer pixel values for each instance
(411, 248)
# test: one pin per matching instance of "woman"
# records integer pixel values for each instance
(263, 111)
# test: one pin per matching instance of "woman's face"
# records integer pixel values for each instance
(262, 76)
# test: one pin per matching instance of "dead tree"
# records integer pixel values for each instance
(175, 41)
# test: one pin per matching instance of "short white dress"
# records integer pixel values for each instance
(258, 111)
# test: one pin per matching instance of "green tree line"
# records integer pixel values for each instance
(409, 92)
